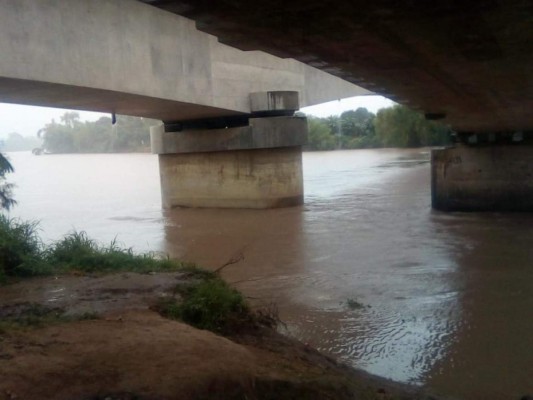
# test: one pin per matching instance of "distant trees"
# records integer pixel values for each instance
(320, 136)
(71, 135)
(6, 197)
(17, 142)
(397, 126)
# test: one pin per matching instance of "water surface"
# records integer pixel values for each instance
(442, 299)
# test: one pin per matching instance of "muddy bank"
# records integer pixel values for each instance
(131, 352)
(94, 293)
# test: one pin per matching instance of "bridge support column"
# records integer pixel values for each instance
(488, 177)
(258, 165)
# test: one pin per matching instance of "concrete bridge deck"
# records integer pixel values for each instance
(126, 57)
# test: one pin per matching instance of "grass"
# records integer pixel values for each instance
(20, 247)
(23, 254)
(205, 301)
(76, 251)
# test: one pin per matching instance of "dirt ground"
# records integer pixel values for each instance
(131, 352)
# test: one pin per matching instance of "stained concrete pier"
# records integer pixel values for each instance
(483, 178)
(255, 165)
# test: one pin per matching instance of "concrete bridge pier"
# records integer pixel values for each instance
(490, 172)
(246, 161)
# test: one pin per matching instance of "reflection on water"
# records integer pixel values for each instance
(446, 298)
(493, 355)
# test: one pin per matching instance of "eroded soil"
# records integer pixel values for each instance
(131, 352)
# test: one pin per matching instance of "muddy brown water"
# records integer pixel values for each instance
(437, 299)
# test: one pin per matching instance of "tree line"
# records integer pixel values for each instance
(16, 142)
(70, 135)
(397, 126)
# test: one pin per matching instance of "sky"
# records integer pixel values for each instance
(337, 107)
(27, 120)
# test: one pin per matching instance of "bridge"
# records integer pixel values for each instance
(225, 77)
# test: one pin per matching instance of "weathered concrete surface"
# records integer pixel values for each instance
(126, 57)
(491, 178)
(469, 61)
(261, 133)
(273, 101)
(258, 165)
(262, 178)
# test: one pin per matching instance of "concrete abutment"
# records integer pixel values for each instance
(497, 177)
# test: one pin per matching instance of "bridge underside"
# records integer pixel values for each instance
(467, 62)
(45, 94)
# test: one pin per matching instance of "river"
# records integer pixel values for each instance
(364, 271)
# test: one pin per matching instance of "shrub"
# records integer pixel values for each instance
(209, 304)
(20, 248)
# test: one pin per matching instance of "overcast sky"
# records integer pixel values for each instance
(27, 120)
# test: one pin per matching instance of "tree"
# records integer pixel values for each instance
(333, 123)
(357, 123)
(73, 136)
(132, 132)
(400, 126)
(70, 119)
(6, 197)
(320, 136)
(17, 142)
(58, 138)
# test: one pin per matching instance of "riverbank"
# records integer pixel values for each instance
(103, 337)
(79, 320)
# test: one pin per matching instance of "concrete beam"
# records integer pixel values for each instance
(127, 57)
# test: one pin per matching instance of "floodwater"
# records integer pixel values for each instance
(364, 271)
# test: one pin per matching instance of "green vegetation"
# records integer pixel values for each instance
(32, 315)
(6, 199)
(401, 127)
(397, 126)
(71, 135)
(22, 254)
(205, 301)
(20, 248)
(76, 251)
(209, 303)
